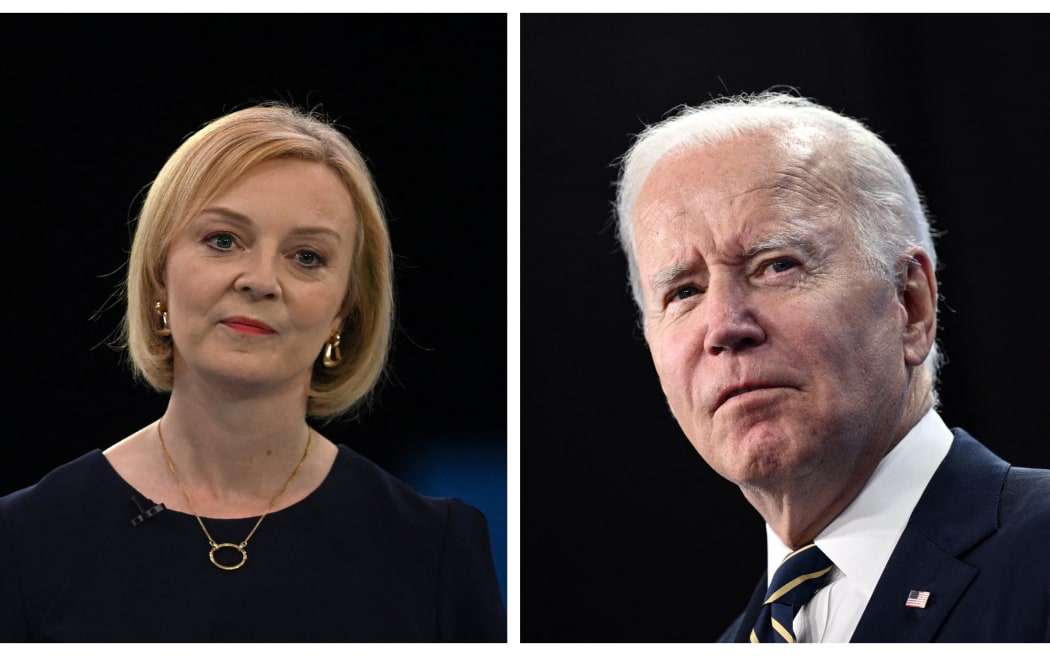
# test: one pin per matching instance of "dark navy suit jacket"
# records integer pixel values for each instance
(978, 541)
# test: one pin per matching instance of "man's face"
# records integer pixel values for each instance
(779, 352)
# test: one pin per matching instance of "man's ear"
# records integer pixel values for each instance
(918, 298)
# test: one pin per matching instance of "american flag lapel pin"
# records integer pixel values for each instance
(917, 599)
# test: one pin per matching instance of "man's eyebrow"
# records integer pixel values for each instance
(787, 238)
(668, 276)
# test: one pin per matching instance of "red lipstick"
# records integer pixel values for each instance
(248, 326)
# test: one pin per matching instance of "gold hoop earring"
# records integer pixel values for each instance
(332, 355)
(163, 329)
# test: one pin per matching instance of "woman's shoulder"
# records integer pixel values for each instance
(69, 484)
(370, 488)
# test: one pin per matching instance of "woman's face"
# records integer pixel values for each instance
(255, 283)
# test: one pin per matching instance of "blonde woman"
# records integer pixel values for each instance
(259, 298)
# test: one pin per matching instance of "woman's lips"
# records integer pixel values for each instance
(248, 326)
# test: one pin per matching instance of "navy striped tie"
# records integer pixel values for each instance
(798, 578)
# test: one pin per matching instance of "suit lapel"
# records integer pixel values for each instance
(742, 631)
(957, 510)
(917, 564)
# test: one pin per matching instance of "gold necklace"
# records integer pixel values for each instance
(215, 546)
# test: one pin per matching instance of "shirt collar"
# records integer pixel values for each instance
(860, 540)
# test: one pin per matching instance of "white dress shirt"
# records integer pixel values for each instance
(860, 540)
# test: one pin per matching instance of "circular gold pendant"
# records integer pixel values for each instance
(228, 545)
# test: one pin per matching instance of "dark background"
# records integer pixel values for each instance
(92, 107)
(618, 512)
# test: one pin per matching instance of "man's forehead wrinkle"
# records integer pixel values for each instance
(813, 177)
(794, 229)
(794, 180)
(658, 206)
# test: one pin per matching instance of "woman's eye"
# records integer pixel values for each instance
(222, 240)
(309, 258)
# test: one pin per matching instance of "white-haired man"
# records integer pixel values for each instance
(784, 269)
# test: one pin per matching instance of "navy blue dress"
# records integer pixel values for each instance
(364, 558)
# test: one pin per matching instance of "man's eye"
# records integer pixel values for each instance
(780, 266)
(685, 292)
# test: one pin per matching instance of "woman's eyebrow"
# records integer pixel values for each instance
(243, 219)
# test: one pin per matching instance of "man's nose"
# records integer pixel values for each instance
(730, 315)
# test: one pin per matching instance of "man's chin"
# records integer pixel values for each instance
(756, 459)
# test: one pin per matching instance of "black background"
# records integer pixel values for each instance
(92, 107)
(619, 513)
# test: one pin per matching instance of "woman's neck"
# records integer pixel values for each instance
(230, 453)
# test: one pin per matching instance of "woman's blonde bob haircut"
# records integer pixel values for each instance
(206, 164)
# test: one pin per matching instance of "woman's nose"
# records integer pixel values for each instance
(258, 278)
